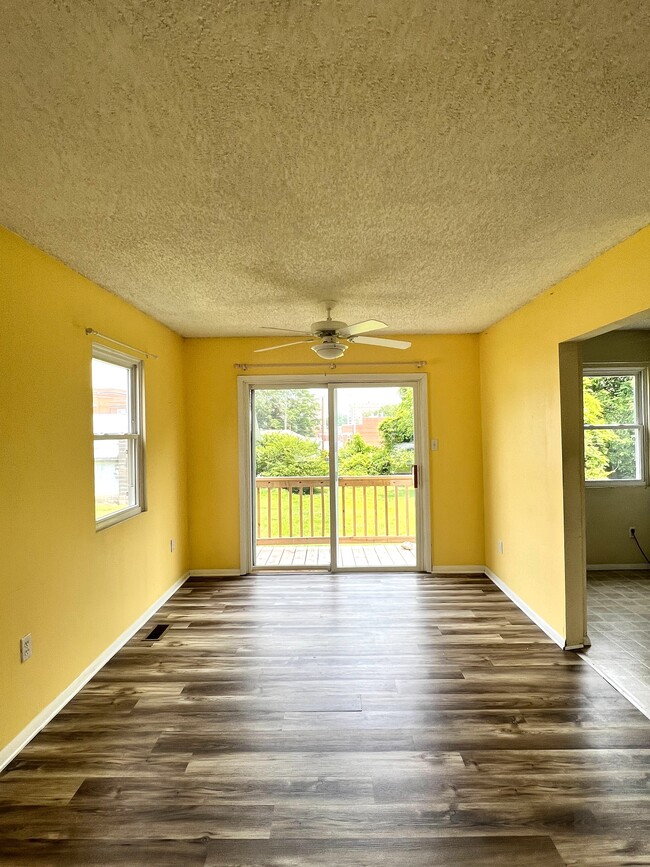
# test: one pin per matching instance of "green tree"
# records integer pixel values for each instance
(388, 409)
(608, 453)
(401, 461)
(616, 397)
(359, 458)
(354, 457)
(596, 460)
(398, 428)
(282, 454)
(296, 409)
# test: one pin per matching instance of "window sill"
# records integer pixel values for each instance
(118, 517)
(617, 483)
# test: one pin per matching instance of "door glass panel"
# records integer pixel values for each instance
(376, 498)
(291, 500)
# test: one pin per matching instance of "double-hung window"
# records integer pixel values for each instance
(118, 436)
(614, 405)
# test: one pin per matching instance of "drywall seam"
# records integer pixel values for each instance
(42, 719)
(553, 634)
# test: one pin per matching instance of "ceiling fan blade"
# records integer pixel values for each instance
(382, 341)
(290, 330)
(282, 345)
(362, 327)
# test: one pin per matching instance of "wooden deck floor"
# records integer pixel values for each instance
(390, 556)
(336, 721)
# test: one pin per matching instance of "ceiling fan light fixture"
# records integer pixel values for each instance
(329, 351)
(334, 335)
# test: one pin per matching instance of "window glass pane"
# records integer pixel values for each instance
(111, 399)
(114, 476)
(611, 454)
(610, 399)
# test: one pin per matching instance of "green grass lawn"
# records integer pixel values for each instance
(386, 503)
(103, 509)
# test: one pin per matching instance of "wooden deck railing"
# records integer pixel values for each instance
(370, 509)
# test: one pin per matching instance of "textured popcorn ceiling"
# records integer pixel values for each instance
(224, 165)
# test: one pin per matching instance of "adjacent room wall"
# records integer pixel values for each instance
(76, 590)
(522, 444)
(454, 418)
(611, 511)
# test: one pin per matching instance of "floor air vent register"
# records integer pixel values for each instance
(157, 632)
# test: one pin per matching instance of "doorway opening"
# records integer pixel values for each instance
(607, 502)
(333, 473)
(615, 369)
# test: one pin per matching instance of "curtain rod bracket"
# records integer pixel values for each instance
(144, 352)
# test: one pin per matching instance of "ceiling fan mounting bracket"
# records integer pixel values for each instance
(328, 328)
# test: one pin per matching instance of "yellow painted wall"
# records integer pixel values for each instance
(454, 418)
(520, 387)
(76, 590)
(612, 510)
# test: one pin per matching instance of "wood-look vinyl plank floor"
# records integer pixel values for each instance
(347, 720)
(532, 851)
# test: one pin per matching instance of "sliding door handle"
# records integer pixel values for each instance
(415, 475)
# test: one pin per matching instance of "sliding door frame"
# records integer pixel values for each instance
(245, 387)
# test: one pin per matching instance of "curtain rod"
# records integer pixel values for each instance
(119, 343)
(332, 365)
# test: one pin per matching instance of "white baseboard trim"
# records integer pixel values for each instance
(440, 570)
(213, 573)
(473, 569)
(607, 567)
(553, 634)
(11, 750)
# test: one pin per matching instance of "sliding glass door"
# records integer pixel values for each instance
(375, 477)
(292, 478)
(333, 475)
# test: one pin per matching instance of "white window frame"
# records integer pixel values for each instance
(135, 435)
(640, 372)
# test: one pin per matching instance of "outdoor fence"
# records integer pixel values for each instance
(370, 509)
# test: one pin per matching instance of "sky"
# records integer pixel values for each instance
(109, 375)
(357, 396)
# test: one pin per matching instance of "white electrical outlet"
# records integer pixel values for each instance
(26, 647)
(500, 546)
(172, 545)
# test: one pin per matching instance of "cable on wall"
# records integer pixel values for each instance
(120, 343)
(638, 544)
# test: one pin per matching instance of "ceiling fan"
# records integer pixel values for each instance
(329, 334)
